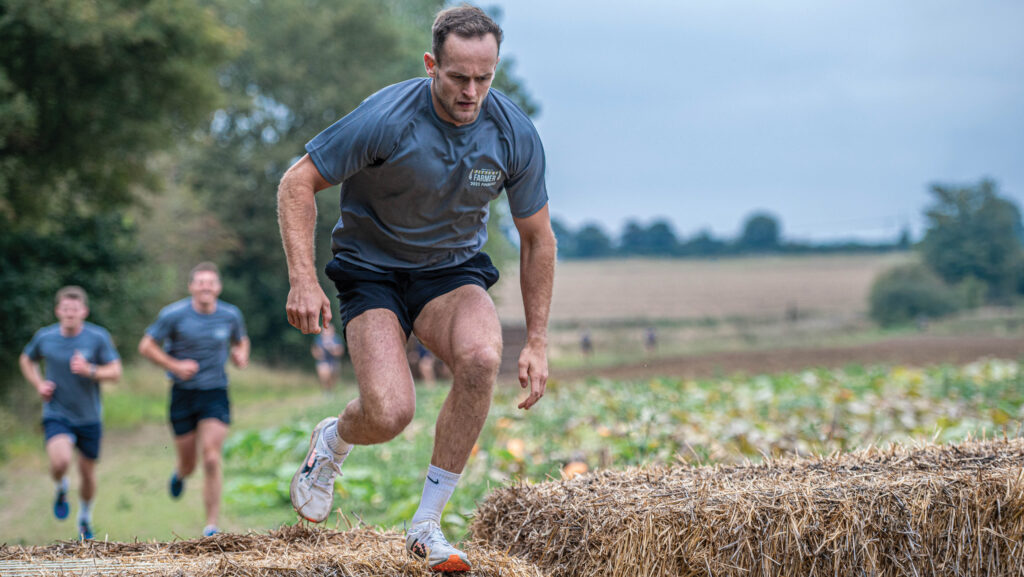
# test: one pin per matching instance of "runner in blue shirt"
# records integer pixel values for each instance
(78, 355)
(418, 164)
(327, 349)
(193, 339)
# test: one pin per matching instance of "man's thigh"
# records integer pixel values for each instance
(458, 322)
(376, 341)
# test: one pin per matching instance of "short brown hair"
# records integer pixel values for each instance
(205, 266)
(71, 292)
(464, 21)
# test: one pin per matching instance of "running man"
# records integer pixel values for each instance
(418, 163)
(78, 355)
(193, 339)
(327, 350)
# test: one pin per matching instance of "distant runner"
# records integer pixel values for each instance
(200, 334)
(78, 355)
(327, 349)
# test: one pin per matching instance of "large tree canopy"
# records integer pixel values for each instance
(973, 232)
(88, 90)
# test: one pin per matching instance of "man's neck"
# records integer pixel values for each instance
(204, 309)
(71, 331)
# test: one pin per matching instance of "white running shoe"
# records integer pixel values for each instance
(426, 541)
(312, 488)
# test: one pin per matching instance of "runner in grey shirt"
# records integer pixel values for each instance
(200, 334)
(78, 355)
(418, 163)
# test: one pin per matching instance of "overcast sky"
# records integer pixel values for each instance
(833, 116)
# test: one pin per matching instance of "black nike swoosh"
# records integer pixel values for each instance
(432, 481)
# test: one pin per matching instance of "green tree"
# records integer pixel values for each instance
(973, 233)
(907, 293)
(88, 92)
(658, 239)
(593, 242)
(761, 233)
(566, 238)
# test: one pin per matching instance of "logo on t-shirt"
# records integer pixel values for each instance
(484, 177)
(221, 332)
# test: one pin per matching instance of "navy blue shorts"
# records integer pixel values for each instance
(406, 292)
(189, 406)
(86, 438)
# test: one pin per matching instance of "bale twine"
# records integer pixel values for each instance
(292, 551)
(929, 510)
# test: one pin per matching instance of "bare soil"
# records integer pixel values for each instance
(919, 350)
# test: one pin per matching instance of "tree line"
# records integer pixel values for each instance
(761, 233)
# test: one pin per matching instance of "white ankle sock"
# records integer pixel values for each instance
(62, 485)
(332, 441)
(85, 511)
(437, 489)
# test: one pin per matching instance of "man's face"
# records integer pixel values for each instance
(205, 287)
(463, 77)
(71, 313)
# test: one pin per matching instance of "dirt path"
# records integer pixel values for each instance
(913, 350)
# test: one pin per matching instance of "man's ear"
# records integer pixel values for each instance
(430, 64)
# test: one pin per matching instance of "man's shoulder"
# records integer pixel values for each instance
(96, 330)
(49, 331)
(228, 309)
(397, 102)
(177, 308)
(507, 113)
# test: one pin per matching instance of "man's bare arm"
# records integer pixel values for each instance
(30, 370)
(296, 215)
(536, 280)
(240, 352)
(183, 368)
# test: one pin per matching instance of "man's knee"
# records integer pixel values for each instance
(60, 464)
(390, 423)
(481, 360)
(211, 461)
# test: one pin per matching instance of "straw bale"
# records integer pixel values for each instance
(918, 511)
(292, 551)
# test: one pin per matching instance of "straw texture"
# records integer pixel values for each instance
(292, 551)
(928, 510)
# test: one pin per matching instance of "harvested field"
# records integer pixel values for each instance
(930, 510)
(587, 291)
(294, 551)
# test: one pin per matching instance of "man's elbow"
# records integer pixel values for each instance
(117, 372)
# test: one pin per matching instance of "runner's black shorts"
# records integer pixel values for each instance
(86, 438)
(405, 292)
(189, 406)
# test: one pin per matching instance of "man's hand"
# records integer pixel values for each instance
(307, 305)
(239, 357)
(82, 367)
(185, 369)
(533, 371)
(45, 390)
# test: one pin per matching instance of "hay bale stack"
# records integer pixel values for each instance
(929, 510)
(295, 551)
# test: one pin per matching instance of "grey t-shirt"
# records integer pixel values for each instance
(206, 338)
(76, 400)
(415, 189)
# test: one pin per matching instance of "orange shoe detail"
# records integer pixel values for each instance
(452, 565)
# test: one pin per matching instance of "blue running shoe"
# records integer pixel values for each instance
(84, 530)
(210, 531)
(176, 486)
(60, 505)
